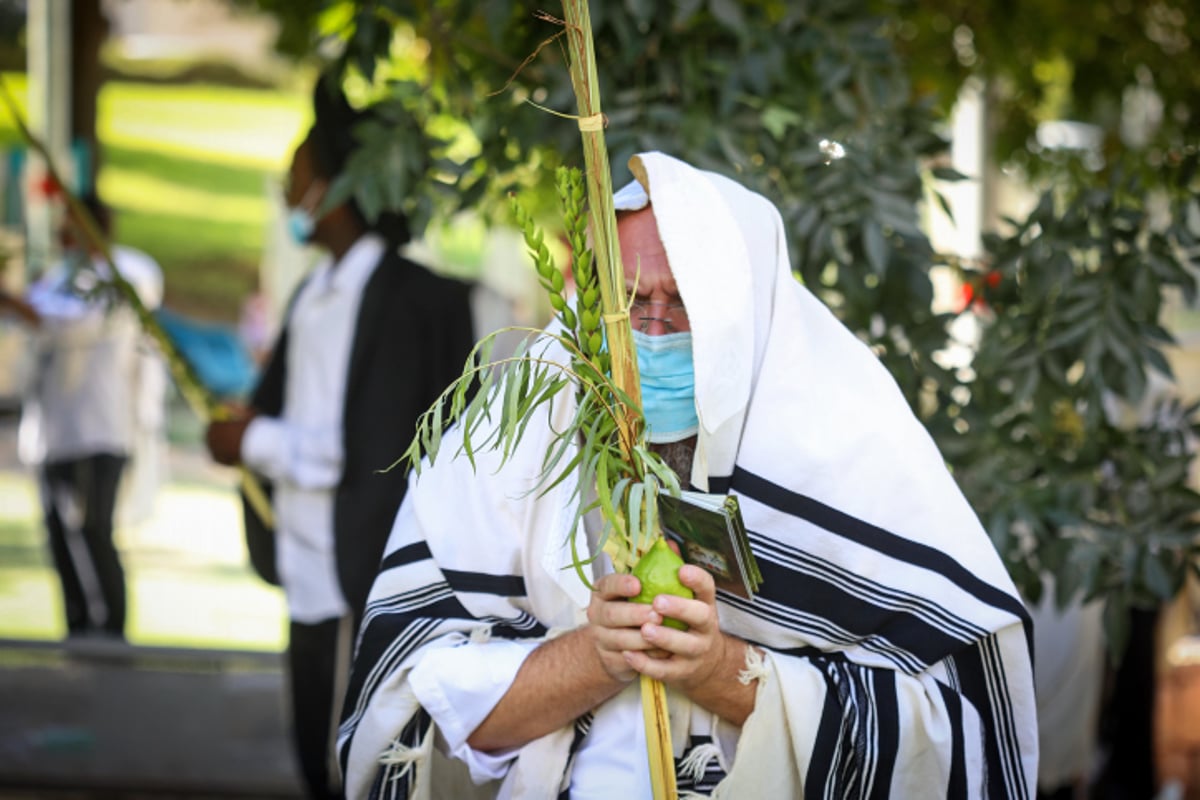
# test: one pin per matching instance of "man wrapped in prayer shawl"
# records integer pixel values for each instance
(887, 654)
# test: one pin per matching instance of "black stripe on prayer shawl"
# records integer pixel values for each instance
(931, 613)
(816, 782)
(983, 683)
(362, 682)
(718, 485)
(853, 748)
(392, 637)
(1003, 703)
(393, 627)
(583, 724)
(815, 625)
(957, 786)
(460, 581)
(409, 554)
(887, 731)
(862, 607)
(483, 583)
(864, 533)
(858, 736)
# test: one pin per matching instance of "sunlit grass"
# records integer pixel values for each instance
(186, 573)
(188, 170)
(222, 125)
(133, 190)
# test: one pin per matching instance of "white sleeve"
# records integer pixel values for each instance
(287, 454)
(459, 687)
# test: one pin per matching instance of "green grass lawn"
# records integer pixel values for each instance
(186, 572)
(187, 169)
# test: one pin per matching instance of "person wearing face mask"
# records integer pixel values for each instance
(369, 341)
(886, 654)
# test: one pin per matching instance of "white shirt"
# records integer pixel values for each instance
(86, 397)
(459, 687)
(301, 451)
(611, 761)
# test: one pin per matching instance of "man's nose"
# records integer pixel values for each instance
(655, 326)
(654, 318)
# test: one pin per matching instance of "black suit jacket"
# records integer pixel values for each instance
(411, 340)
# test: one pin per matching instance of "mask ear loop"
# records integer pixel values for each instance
(306, 203)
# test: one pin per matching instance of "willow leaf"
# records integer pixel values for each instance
(436, 427)
(565, 442)
(652, 510)
(653, 462)
(603, 492)
(633, 516)
(508, 420)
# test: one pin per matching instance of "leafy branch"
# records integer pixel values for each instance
(493, 402)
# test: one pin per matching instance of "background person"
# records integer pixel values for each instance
(95, 390)
(369, 341)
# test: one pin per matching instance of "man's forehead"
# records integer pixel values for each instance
(639, 228)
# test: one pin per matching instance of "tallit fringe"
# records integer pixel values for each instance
(755, 670)
(481, 634)
(697, 761)
(400, 753)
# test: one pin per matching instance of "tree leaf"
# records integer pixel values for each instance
(875, 246)
(1116, 627)
(729, 14)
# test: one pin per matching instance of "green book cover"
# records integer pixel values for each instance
(710, 533)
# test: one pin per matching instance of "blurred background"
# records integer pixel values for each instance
(1000, 198)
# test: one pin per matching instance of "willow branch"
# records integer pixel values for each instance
(202, 403)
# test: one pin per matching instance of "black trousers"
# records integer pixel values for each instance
(79, 497)
(318, 666)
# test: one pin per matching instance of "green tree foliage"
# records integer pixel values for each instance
(1078, 470)
(1062, 57)
(833, 110)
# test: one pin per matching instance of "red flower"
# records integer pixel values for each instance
(966, 296)
(969, 296)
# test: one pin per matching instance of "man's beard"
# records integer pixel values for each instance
(678, 456)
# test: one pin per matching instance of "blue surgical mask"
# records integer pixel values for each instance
(668, 386)
(300, 224)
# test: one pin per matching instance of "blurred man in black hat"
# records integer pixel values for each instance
(369, 342)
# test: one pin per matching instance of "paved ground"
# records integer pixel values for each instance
(193, 706)
(97, 719)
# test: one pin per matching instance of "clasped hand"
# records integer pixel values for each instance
(224, 436)
(630, 638)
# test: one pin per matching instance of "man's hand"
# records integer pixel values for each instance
(17, 306)
(689, 657)
(224, 437)
(702, 662)
(616, 624)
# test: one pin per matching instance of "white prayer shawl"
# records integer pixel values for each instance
(898, 653)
